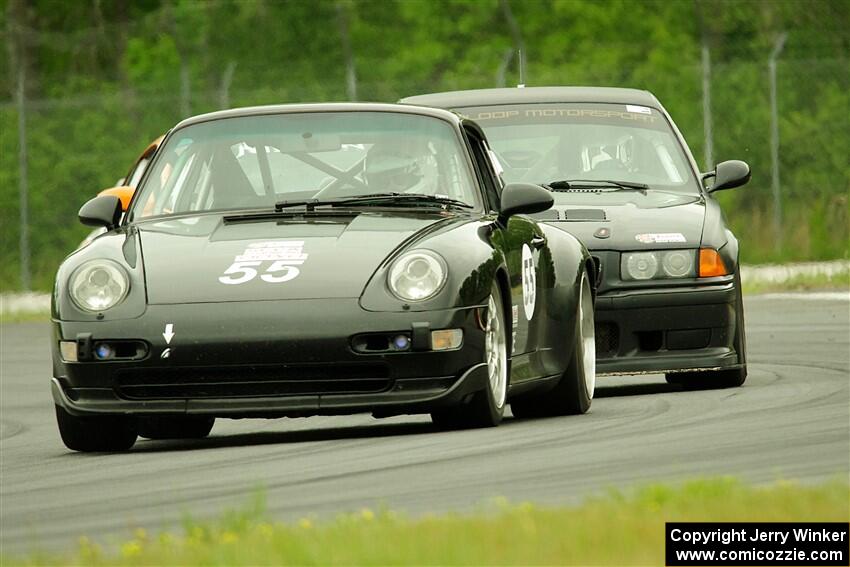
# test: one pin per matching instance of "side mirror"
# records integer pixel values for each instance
(101, 211)
(123, 192)
(729, 174)
(524, 198)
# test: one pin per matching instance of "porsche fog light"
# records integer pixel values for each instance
(640, 265)
(401, 342)
(446, 339)
(98, 285)
(417, 275)
(678, 263)
(104, 351)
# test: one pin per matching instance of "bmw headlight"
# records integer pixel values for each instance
(417, 275)
(658, 265)
(98, 285)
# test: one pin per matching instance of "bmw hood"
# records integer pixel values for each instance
(630, 220)
(204, 259)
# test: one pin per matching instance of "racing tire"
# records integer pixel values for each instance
(486, 407)
(174, 427)
(717, 379)
(573, 393)
(105, 434)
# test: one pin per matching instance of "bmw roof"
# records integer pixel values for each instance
(521, 95)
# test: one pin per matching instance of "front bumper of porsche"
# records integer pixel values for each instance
(268, 359)
(672, 329)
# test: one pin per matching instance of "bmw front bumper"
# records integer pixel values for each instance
(674, 329)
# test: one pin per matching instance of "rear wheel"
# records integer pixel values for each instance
(174, 427)
(574, 392)
(716, 379)
(487, 406)
(98, 433)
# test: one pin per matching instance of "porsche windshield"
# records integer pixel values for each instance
(542, 143)
(256, 161)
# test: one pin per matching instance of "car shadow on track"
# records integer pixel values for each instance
(288, 437)
(636, 390)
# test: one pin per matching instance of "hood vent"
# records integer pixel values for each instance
(550, 214)
(584, 215)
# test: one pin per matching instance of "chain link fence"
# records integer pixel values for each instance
(71, 147)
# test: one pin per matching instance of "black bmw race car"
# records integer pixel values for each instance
(319, 259)
(626, 184)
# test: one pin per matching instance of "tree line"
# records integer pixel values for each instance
(98, 79)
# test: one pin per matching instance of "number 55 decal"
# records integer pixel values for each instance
(529, 282)
(246, 272)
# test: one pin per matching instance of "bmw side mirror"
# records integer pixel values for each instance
(524, 199)
(101, 211)
(729, 174)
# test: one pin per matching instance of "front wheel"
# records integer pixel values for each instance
(174, 427)
(574, 392)
(487, 406)
(95, 434)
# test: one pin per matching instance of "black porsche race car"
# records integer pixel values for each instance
(626, 183)
(319, 259)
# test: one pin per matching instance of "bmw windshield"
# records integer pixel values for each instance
(546, 143)
(256, 162)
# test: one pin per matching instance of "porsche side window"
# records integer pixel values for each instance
(138, 172)
(170, 198)
(497, 166)
(485, 167)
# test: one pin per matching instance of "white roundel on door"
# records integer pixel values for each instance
(529, 282)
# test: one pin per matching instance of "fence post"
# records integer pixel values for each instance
(706, 107)
(16, 44)
(774, 143)
(516, 33)
(185, 90)
(224, 92)
(23, 178)
(343, 21)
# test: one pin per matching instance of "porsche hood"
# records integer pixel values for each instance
(203, 259)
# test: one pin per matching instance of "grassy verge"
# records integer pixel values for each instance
(802, 282)
(617, 529)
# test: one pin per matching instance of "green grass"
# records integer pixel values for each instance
(617, 528)
(815, 282)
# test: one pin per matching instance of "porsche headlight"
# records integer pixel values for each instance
(98, 285)
(417, 275)
(658, 265)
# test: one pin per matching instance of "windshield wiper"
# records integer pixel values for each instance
(373, 199)
(570, 184)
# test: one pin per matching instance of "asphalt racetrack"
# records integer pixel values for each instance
(791, 420)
